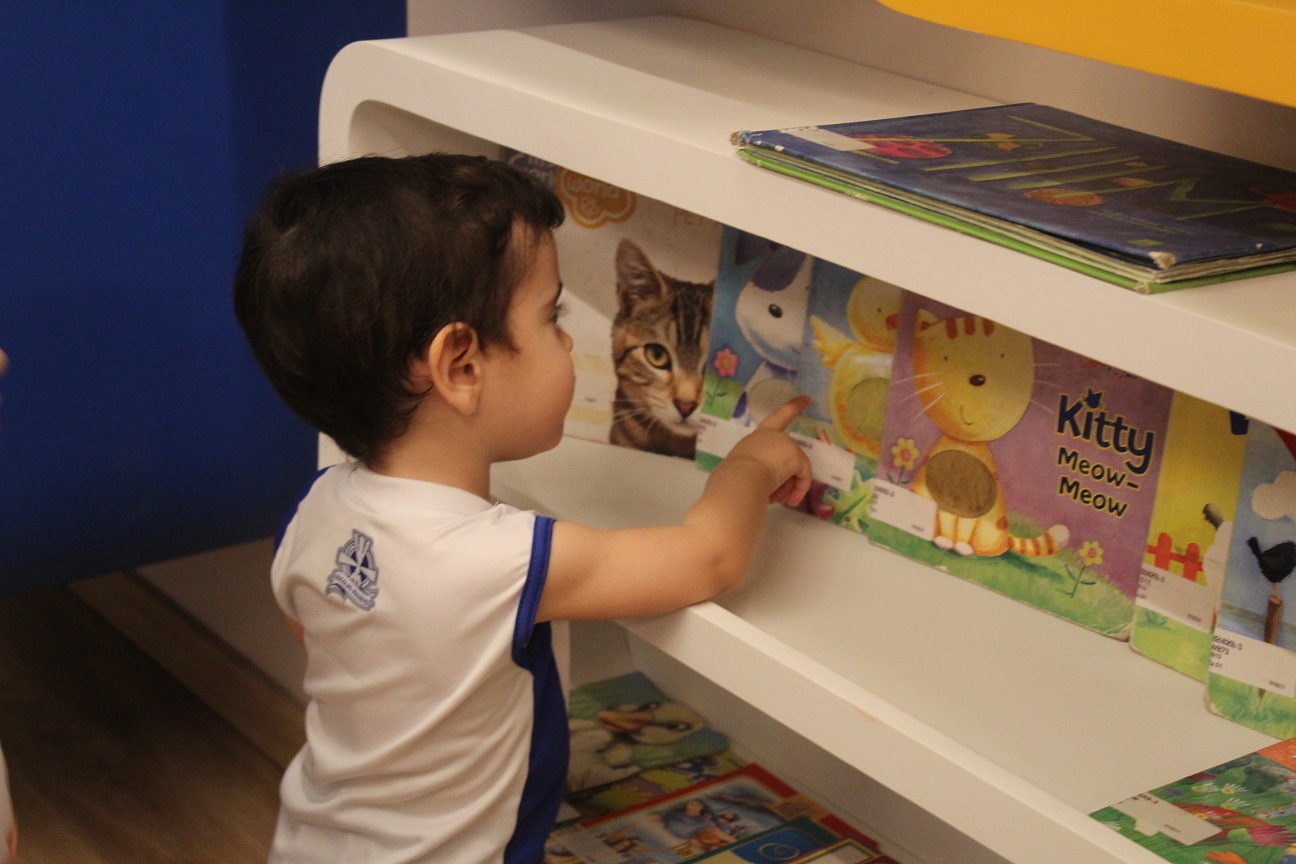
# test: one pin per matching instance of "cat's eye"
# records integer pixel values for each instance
(775, 310)
(657, 355)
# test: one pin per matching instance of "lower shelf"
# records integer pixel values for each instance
(1007, 724)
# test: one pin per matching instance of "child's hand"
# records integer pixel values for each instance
(770, 445)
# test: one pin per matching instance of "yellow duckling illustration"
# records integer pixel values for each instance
(860, 364)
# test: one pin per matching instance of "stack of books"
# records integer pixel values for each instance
(710, 805)
(1129, 208)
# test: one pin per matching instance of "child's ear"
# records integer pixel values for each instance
(453, 366)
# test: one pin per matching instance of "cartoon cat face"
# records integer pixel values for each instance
(974, 377)
(771, 307)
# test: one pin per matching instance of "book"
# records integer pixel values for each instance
(1018, 465)
(622, 725)
(762, 344)
(1253, 664)
(650, 783)
(1240, 812)
(1185, 561)
(700, 819)
(757, 330)
(624, 258)
(846, 356)
(1133, 209)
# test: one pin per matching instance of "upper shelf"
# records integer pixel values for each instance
(1243, 46)
(649, 105)
(1007, 723)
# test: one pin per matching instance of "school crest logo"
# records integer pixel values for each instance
(356, 576)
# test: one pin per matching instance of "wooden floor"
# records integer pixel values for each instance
(111, 759)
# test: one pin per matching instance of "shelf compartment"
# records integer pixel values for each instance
(649, 104)
(1005, 722)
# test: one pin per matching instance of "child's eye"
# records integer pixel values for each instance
(560, 309)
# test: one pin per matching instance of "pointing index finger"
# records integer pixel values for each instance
(780, 417)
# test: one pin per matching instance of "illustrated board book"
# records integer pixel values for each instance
(1140, 211)
(1253, 666)
(1240, 812)
(622, 725)
(638, 277)
(1018, 465)
(850, 335)
(757, 329)
(1187, 548)
(760, 335)
(648, 784)
(698, 820)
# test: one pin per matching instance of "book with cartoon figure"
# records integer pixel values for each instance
(1240, 812)
(846, 370)
(1253, 665)
(622, 725)
(699, 820)
(1018, 465)
(1133, 209)
(758, 325)
(638, 276)
(1185, 562)
(649, 783)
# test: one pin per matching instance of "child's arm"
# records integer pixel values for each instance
(629, 573)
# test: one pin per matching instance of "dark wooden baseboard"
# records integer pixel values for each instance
(260, 709)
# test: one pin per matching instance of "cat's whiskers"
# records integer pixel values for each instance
(923, 410)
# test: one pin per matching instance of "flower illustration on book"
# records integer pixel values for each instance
(1089, 555)
(726, 363)
(904, 456)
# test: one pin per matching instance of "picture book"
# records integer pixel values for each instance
(846, 851)
(650, 783)
(762, 343)
(622, 725)
(1241, 812)
(1253, 664)
(757, 329)
(1140, 211)
(1018, 465)
(795, 841)
(1187, 548)
(850, 333)
(693, 822)
(638, 277)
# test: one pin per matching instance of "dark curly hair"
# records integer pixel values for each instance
(350, 269)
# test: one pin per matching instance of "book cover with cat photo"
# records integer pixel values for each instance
(846, 357)
(1018, 465)
(757, 330)
(1185, 562)
(638, 277)
(1253, 664)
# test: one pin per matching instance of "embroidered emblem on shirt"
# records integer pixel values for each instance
(356, 576)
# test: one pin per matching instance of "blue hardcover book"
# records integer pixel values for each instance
(1141, 211)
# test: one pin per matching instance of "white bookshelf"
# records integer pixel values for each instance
(994, 728)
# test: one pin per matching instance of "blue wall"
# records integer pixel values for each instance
(136, 138)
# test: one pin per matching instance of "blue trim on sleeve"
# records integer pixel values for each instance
(292, 511)
(547, 769)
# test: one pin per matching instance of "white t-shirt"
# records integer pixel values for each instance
(436, 728)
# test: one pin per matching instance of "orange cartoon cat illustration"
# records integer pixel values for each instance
(974, 380)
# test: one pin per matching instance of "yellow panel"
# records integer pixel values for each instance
(1243, 46)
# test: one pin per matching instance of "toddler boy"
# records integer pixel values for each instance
(409, 309)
